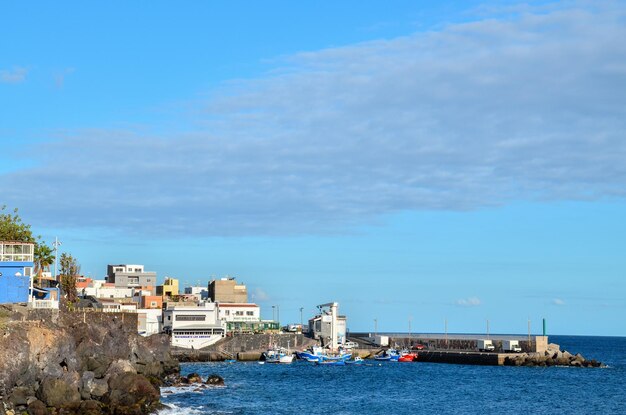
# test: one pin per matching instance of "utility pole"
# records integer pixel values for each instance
(273, 313)
(56, 245)
(278, 315)
(301, 320)
(375, 326)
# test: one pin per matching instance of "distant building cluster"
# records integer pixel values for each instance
(195, 317)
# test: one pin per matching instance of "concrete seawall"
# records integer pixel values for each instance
(461, 357)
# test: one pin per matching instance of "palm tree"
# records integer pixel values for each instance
(43, 258)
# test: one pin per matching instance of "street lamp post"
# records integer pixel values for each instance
(273, 313)
(301, 320)
(56, 245)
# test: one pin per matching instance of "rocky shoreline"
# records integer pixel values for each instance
(55, 362)
(551, 357)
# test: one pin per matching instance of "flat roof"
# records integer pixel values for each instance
(237, 305)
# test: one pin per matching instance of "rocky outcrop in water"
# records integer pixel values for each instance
(75, 363)
(551, 357)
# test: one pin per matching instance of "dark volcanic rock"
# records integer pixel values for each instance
(130, 391)
(57, 393)
(90, 407)
(37, 407)
(215, 380)
(69, 360)
(194, 378)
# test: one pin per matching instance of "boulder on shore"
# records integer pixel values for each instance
(57, 393)
(215, 380)
(66, 362)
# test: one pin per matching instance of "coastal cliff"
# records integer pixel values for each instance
(55, 362)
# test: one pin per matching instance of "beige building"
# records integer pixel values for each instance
(226, 290)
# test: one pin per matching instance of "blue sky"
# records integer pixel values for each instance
(459, 160)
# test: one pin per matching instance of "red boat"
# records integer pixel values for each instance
(408, 357)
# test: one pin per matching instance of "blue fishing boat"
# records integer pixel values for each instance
(342, 356)
(357, 361)
(312, 354)
(331, 362)
(389, 355)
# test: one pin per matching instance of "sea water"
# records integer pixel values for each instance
(410, 388)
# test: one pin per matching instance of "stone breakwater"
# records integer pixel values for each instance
(551, 357)
(79, 363)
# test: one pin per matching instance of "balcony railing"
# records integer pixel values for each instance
(16, 252)
(44, 304)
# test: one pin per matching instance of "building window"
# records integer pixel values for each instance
(153, 303)
(249, 313)
(227, 312)
(239, 313)
(190, 317)
(133, 280)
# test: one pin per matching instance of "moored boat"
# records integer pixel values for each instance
(312, 354)
(331, 362)
(389, 355)
(357, 361)
(278, 355)
(407, 357)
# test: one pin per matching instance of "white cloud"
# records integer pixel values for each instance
(558, 302)
(258, 295)
(468, 302)
(13, 76)
(473, 115)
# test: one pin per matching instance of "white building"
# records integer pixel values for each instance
(193, 327)
(202, 293)
(236, 312)
(107, 291)
(112, 306)
(149, 321)
(328, 326)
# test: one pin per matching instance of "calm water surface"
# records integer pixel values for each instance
(408, 388)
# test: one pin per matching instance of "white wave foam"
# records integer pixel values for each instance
(177, 410)
(197, 388)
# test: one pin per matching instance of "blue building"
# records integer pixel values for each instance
(16, 268)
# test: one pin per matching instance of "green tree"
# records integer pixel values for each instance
(12, 228)
(44, 257)
(69, 271)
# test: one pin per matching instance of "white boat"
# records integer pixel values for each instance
(278, 355)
